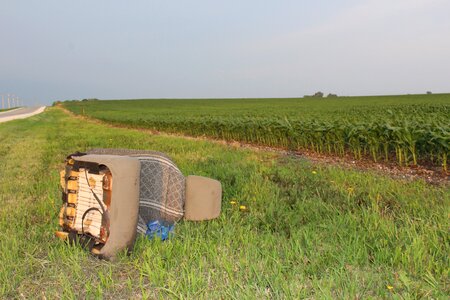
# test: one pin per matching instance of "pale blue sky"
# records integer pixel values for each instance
(57, 49)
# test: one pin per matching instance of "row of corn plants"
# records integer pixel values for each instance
(412, 135)
(408, 142)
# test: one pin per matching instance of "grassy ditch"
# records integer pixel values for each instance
(307, 230)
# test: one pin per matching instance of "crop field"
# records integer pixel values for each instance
(307, 231)
(409, 130)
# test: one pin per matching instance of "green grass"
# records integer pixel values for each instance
(410, 129)
(311, 231)
(6, 109)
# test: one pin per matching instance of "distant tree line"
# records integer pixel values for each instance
(320, 95)
(55, 103)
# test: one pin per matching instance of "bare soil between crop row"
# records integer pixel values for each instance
(430, 174)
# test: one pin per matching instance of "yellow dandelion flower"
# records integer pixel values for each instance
(233, 202)
(243, 207)
(390, 287)
(314, 172)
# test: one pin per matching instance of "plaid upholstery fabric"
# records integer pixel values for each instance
(162, 186)
(127, 152)
(162, 190)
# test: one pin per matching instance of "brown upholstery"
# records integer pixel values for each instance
(124, 208)
(203, 198)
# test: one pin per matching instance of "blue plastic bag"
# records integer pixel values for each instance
(155, 228)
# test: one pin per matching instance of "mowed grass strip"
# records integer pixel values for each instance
(6, 109)
(307, 231)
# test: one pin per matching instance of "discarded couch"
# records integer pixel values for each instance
(110, 195)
